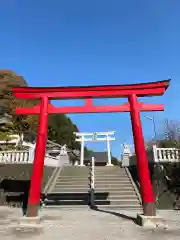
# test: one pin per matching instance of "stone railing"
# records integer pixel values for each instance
(166, 154)
(14, 157)
(22, 157)
(156, 155)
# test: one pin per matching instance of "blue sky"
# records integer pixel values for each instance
(58, 43)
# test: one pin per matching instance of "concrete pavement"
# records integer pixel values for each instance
(70, 224)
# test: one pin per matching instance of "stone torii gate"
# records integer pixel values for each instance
(88, 93)
(95, 136)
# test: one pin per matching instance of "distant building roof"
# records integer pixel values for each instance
(100, 157)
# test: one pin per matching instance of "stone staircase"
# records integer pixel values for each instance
(117, 186)
(114, 188)
(69, 187)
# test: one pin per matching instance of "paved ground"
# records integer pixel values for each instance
(86, 224)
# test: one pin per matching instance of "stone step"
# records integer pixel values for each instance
(120, 207)
(80, 180)
(68, 207)
(107, 170)
(87, 169)
(123, 180)
(110, 187)
(82, 196)
(98, 207)
(106, 193)
(69, 190)
(109, 177)
(101, 208)
(108, 167)
(96, 180)
(120, 196)
(96, 173)
(96, 202)
(117, 177)
(75, 171)
(72, 177)
(116, 192)
(74, 174)
(60, 187)
(85, 190)
(105, 182)
(99, 193)
(83, 169)
(68, 196)
(97, 184)
(66, 202)
(110, 171)
(117, 202)
(74, 168)
(72, 184)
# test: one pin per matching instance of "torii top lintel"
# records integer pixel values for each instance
(104, 91)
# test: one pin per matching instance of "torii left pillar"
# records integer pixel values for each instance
(38, 166)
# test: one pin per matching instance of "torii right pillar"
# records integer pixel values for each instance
(142, 161)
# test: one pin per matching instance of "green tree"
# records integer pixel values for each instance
(20, 124)
(115, 161)
(61, 130)
(8, 103)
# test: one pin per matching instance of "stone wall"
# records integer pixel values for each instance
(15, 182)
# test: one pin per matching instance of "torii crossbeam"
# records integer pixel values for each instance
(132, 92)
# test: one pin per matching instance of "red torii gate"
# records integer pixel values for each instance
(132, 92)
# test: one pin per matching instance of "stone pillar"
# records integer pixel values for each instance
(108, 151)
(126, 156)
(31, 155)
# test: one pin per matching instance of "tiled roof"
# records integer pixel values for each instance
(99, 156)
